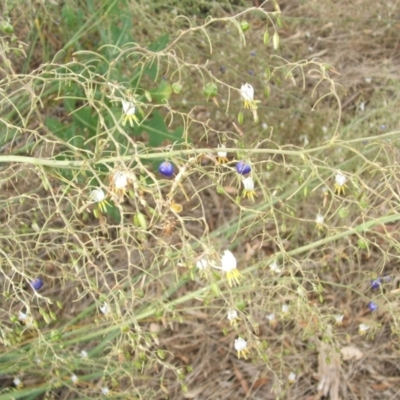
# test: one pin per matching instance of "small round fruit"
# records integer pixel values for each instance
(37, 284)
(243, 168)
(166, 169)
(376, 283)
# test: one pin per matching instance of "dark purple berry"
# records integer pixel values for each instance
(376, 283)
(37, 284)
(243, 168)
(166, 169)
(372, 306)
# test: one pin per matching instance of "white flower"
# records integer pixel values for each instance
(202, 264)
(74, 378)
(274, 267)
(247, 92)
(241, 347)
(240, 344)
(105, 308)
(292, 377)
(271, 317)
(97, 195)
(232, 315)
(340, 183)
(248, 184)
(129, 110)
(221, 156)
(120, 180)
(319, 221)
(84, 354)
(340, 179)
(339, 319)
(285, 308)
(22, 316)
(25, 318)
(363, 328)
(221, 153)
(17, 382)
(105, 390)
(38, 361)
(229, 265)
(248, 190)
(128, 107)
(228, 261)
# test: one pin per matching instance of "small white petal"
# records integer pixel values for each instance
(363, 328)
(105, 308)
(120, 180)
(228, 261)
(74, 378)
(128, 107)
(248, 183)
(339, 318)
(105, 390)
(271, 317)
(319, 219)
(232, 315)
(292, 377)
(285, 308)
(22, 316)
(202, 264)
(274, 267)
(97, 195)
(17, 381)
(247, 92)
(340, 179)
(222, 153)
(240, 344)
(84, 354)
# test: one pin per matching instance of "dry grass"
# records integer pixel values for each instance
(158, 301)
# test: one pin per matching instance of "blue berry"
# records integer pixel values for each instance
(243, 168)
(372, 306)
(376, 283)
(37, 284)
(166, 169)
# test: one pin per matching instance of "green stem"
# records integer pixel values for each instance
(161, 154)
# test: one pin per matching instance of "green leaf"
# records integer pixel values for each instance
(114, 212)
(71, 16)
(160, 43)
(162, 92)
(57, 128)
(159, 132)
(85, 122)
